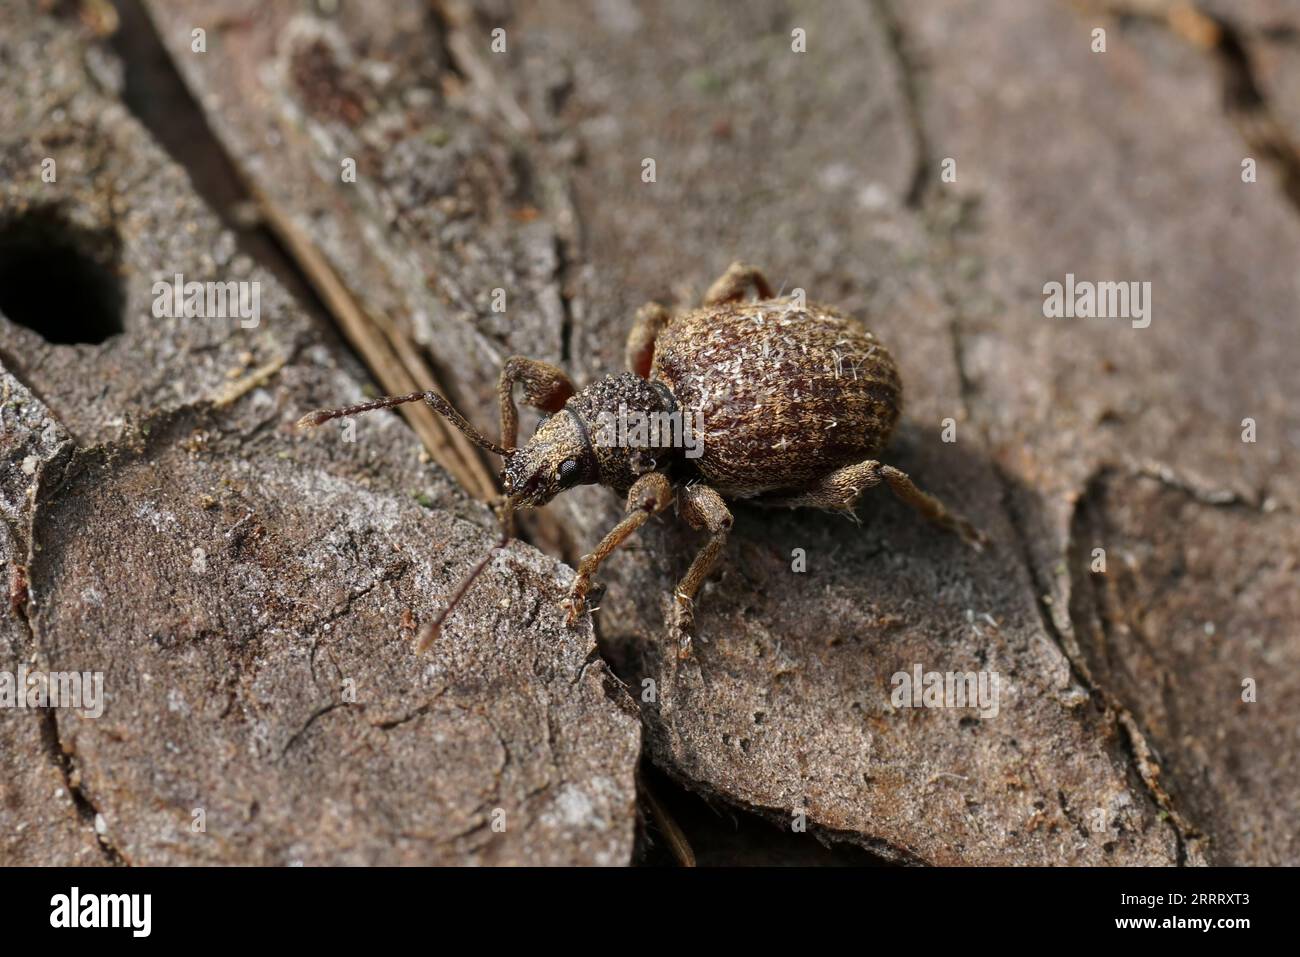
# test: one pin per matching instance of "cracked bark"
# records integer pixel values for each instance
(928, 252)
(818, 167)
(1206, 469)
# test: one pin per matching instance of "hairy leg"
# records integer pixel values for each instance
(701, 507)
(651, 319)
(545, 387)
(732, 285)
(649, 495)
(840, 490)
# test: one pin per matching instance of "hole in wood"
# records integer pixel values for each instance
(59, 280)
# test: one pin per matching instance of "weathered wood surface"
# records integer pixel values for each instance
(1121, 735)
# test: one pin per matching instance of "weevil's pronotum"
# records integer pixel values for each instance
(792, 403)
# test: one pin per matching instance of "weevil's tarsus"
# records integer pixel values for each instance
(901, 484)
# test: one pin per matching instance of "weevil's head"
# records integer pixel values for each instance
(594, 440)
(557, 457)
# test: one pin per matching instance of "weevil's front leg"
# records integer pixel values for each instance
(545, 387)
(701, 507)
(651, 319)
(732, 285)
(649, 495)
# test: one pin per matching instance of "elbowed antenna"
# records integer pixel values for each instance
(434, 628)
(432, 399)
(505, 515)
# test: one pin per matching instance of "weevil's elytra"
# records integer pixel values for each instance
(795, 402)
(786, 393)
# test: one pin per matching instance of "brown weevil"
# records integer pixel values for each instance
(772, 401)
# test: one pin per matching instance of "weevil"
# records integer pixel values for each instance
(793, 401)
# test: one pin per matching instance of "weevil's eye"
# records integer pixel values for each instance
(568, 473)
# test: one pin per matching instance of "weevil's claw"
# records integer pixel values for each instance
(573, 611)
(576, 603)
(973, 537)
(681, 626)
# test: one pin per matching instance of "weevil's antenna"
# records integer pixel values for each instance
(505, 512)
(434, 628)
(431, 399)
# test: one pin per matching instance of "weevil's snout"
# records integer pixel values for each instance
(525, 485)
(556, 458)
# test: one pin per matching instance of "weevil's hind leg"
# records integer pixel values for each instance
(733, 284)
(701, 507)
(651, 319)
(840, 491)
(902, 486)
(649, 495)
(545, 387)
(836, 491)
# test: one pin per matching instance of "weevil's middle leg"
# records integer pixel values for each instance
(840, 490)
(649, 495)
(651, 319)
(701, 507)
(732, 285)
